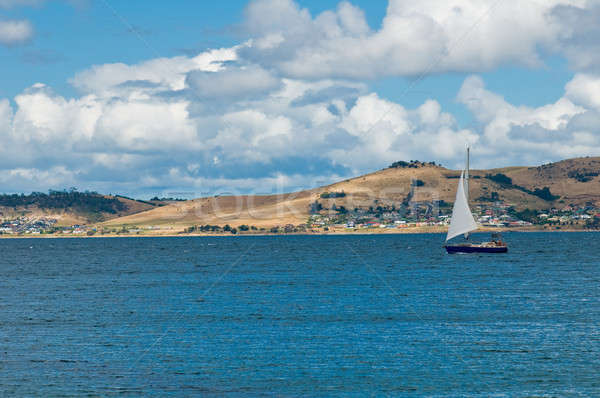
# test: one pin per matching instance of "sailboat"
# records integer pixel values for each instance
(463, 223)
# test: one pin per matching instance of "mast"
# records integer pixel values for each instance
(467, 184)
(467, 175)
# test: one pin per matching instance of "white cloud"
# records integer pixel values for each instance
(415, 37)
(578, 35)
(233, 83)
(584, 89)
(14, 32)
(140, 126)
(164, 73)
(43, 116)
(92, 123)
(31, 179)
(524, 135)
(266, 127)
(140, 140)
(386, 132)
(492, 109)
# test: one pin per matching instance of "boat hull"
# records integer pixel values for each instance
(476, 249)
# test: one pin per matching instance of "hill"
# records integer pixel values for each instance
(569, 182)
(70, 207)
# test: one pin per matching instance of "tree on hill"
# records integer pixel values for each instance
(545, 194)
(332, 195)
(315, 207)
(413, 164)
(500, 178)
(83, 202)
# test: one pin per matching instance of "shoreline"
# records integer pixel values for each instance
(328, 233)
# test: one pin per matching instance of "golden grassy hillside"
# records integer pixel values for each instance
(264, 211)
(575, 181)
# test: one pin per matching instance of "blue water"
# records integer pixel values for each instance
(299, 316)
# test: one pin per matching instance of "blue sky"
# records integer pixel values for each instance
(386, 80)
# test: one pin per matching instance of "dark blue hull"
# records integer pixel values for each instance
(476, 249)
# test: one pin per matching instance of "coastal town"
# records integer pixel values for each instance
(494, 215)
(426, 215)
(38, 226)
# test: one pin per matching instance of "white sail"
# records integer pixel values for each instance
(462, 220)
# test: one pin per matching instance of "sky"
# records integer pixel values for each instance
(196, 98)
